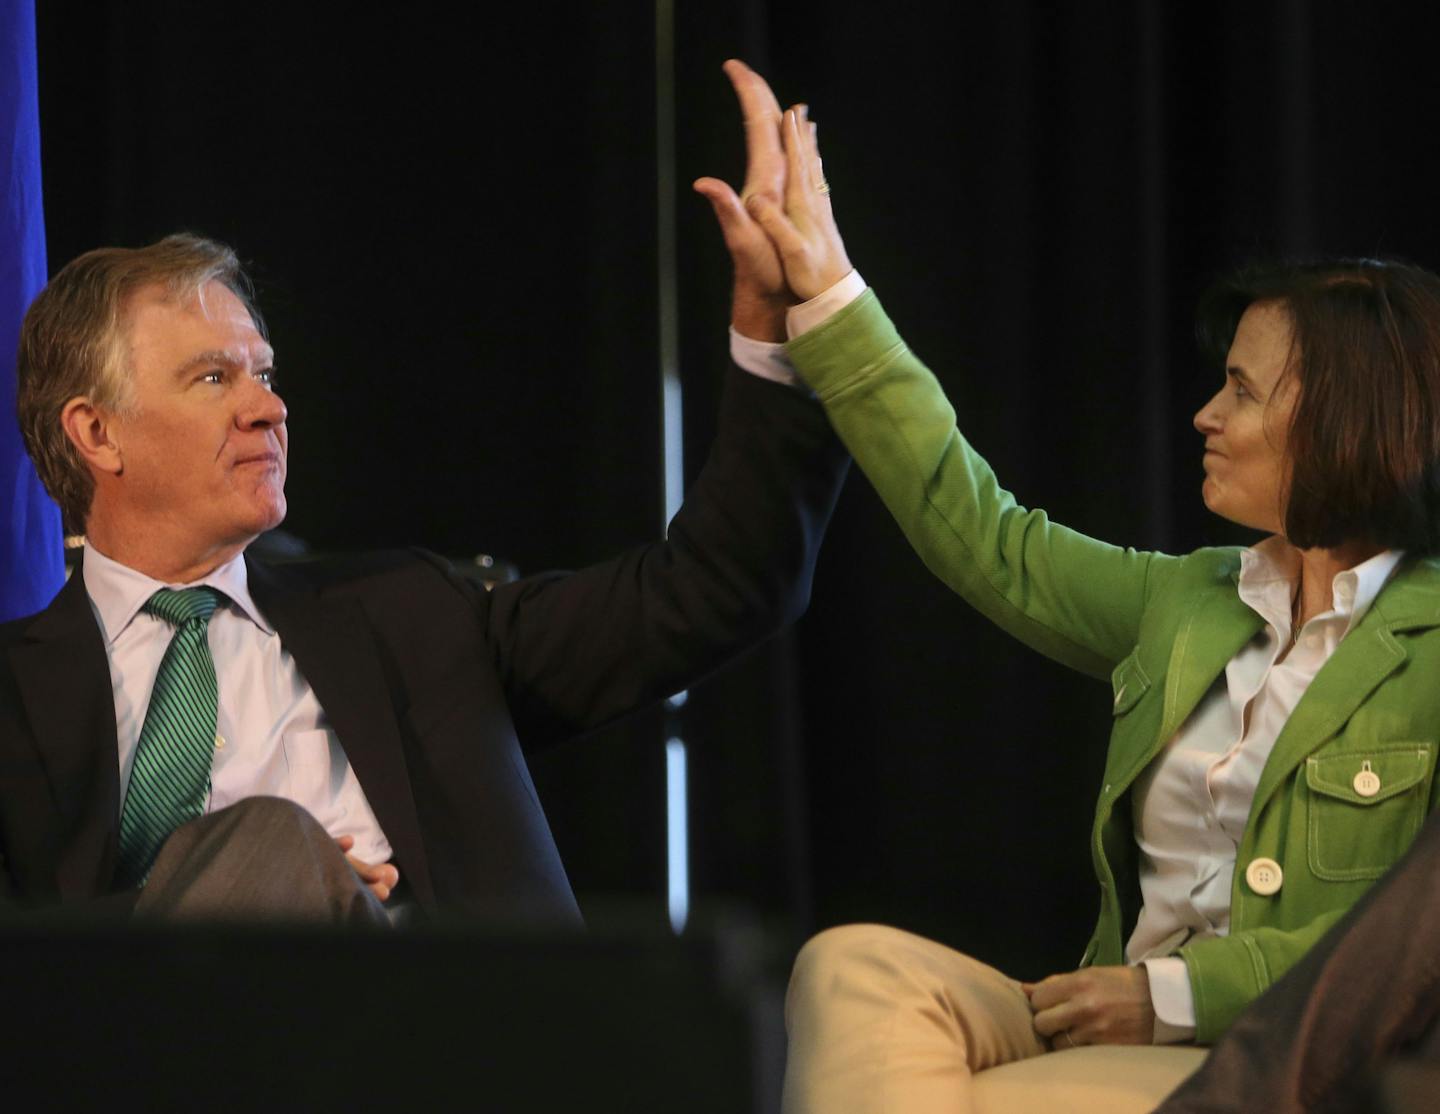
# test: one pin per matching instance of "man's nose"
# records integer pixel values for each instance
(262, 407)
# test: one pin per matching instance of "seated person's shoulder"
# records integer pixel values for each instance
(360, 573)
(1212, 564)
(410, 600)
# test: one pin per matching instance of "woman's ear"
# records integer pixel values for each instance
(88, 428)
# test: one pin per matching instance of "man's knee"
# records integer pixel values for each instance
(271, 813)
(260, 858)
(251, 826)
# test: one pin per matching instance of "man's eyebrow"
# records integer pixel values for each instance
(229, 359)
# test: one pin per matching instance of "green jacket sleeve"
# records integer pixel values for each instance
(1073, 598)
(1227, 973)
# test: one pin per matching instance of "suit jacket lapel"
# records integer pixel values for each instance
(335, 650)
(64, 679)
(1216, 624)
(1216, 627)
(1202, 650)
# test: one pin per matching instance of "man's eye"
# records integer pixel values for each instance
(215, 376)
(266, 377)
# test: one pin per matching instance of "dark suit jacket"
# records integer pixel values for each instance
(434, 687)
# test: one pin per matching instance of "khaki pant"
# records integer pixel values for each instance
(886, 1022)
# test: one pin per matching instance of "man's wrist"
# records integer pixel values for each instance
(763, 358)
(758, 315)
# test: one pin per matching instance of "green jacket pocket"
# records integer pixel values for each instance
(1366, 806)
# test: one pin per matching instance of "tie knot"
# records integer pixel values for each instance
(180, 607)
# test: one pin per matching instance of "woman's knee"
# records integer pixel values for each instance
(849, 957)
(847, 944)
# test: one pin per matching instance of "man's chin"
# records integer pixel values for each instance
(264, 520)
(272, 513)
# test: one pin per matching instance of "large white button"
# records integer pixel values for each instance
(1367, 781)
(1264, 876)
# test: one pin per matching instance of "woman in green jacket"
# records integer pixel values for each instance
(1276, 713)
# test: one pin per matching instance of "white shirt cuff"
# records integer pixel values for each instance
(760, 357)
(1172, 998)
(825, 305)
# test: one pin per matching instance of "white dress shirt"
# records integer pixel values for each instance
(1192, 802)
(272, 738)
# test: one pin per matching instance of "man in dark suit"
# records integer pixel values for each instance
(374, 710)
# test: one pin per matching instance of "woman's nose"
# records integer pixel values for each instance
(1207, 418)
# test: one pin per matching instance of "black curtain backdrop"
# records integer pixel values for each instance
(453, 223)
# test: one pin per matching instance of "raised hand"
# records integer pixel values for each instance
(761, 292)
(803, 227)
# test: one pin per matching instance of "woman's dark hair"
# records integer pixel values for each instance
(1364, 438)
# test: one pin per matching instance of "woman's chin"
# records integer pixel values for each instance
(1263, 523)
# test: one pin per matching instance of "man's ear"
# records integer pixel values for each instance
(88, 428)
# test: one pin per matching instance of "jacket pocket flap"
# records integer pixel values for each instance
(1383, 772)
(1129, 683)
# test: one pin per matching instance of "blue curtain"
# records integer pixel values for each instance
(32, 565)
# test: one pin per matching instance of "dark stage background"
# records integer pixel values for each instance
(452, 218)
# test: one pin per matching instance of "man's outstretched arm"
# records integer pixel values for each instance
(576, 650)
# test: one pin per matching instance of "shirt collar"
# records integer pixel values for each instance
(117, 592)
(1270, 570)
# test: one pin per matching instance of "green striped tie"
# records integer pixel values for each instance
(170, 777)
